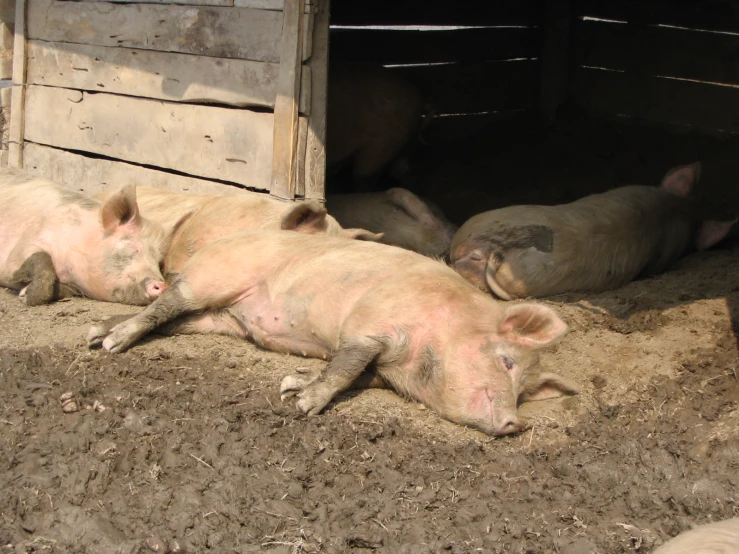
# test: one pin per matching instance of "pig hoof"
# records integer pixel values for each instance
(96, 335)
(314, 398)
(293, 384)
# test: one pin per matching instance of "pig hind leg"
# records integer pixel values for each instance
(38, 278)
(349, 361)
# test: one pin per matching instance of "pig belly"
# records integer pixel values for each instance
(270, 326)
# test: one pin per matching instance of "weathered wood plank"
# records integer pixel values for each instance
(315, 148)
(164, 75)
(409, 46)
(260, 4)
(555, 57)
(6, 94)
(422, 12)
(149, 74)
(187, 2)
(299, 161)
(242, 33)
(286, 105)
(703, 14)
(7, 11)
(17, 113)
(481, 87)
(94, 175)
(219, 143)
(701, 105)
(6, 51)
(657, 51)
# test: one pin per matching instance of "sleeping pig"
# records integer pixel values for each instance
(721, 537)
(402, 217)
(199, 219)
(599, 242)
(373, 114)
(55, 241)
(423, 329)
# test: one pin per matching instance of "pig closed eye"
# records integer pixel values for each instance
(508, 362)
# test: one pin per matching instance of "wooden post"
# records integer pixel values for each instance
(315, 153)
(555, 57)
(15, 137)
(286, 104)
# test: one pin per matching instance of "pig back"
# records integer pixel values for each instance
(598, 242)
(166, 207)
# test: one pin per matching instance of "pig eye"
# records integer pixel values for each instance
(508, 362)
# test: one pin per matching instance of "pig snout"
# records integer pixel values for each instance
(155, 288)
(472, 267)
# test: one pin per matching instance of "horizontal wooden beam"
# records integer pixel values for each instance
(204, 141)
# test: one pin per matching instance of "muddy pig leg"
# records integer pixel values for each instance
(349, 361)
(38, 279)
(171, 304)
(212, 322)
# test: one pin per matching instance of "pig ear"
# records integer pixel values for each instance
(531, 325)
(541, 386)
(304, 217)
(412, 204)
(121, 209)
(711, 232)
(362, 234)
(680, 180)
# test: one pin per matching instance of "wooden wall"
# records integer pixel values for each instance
(492, 68)
(670, 62)
(205, 92)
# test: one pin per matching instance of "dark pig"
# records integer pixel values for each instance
(372, 115)
(55, 241)
(403, 218)
(424, 329)
(597, 243)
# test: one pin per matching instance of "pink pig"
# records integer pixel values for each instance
(55, 241)
(199, 219)
(416, 323)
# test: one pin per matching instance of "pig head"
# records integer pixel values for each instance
(403, 218)
(417, 324)
(57, 241)
(599, 242)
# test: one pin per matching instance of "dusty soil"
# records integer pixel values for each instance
(183, 445)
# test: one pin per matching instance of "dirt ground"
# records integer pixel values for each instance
(183, 445)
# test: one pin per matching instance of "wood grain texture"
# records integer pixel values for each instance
(219, 143)
(315, 149)
(243, 33)
(94, 175)
(285, 138)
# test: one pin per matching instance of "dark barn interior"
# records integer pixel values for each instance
(546, 101)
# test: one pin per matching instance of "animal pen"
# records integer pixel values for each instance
(183, 444)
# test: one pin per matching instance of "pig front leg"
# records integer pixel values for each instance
(171, 304)
(349, 361)
(37, 280)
